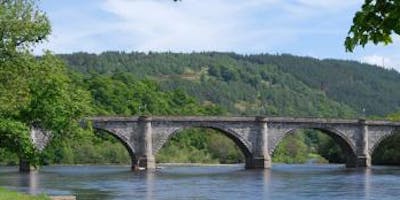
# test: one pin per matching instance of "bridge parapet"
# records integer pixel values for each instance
(245, 119)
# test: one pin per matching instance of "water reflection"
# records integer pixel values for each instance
(28, 182)
(367, 183)
(150, 185)
(34, 183)
(266, 175)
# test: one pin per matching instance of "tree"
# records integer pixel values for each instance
(22, 25)
(376, 22)
(35, 92)
(55, 102)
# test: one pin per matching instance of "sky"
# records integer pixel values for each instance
(315, 28)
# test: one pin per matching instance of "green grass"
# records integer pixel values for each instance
(12, 195)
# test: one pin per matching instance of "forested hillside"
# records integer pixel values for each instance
(358, 85)
(281, 85)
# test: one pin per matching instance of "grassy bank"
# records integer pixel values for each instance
(12, 195)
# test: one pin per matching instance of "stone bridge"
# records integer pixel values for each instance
(257, 137)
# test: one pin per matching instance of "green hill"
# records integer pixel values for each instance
(260, 84)
(361, 86)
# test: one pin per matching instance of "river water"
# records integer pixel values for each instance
(209, 182)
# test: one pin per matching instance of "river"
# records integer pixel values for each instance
(298, 182)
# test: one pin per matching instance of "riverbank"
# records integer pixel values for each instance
(6, 194)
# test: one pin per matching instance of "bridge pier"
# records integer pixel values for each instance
(363, 162)
(260, 158)
(145, 158)
(258, 163)
(363, 158)
(358, 162)
(143, 163)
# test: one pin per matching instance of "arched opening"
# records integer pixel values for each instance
(203, 145)
(387, 150)
(97, 147)
(313, 145)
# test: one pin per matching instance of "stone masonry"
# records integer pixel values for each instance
(257, 137)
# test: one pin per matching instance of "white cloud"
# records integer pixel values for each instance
(377, 60)
(186, 26)
(249, 26)
(306, 9)
(222, 25)
(328, 4)
(304, 27)
(387, 56)
(389, 62)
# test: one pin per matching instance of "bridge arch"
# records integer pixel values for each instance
(122, 140)
(239, 141)
(381, 139)
(338, 137)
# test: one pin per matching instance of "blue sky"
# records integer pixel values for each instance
(314, 28)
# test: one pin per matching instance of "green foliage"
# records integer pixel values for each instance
(376, 22)
(308, 146)
(388, 151)
(328, 148)
(123, 94)
(199, 145)
(38, 93)
(35, 92)
(22, 25)
(14, 85)
(394, 117)
(56, 103)
(291, 150)
(359, 86)
(91, 149)
(8, 194)
(223, 149)
(263, 84)
(240, 85)
(15, 137)
(8, 157)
